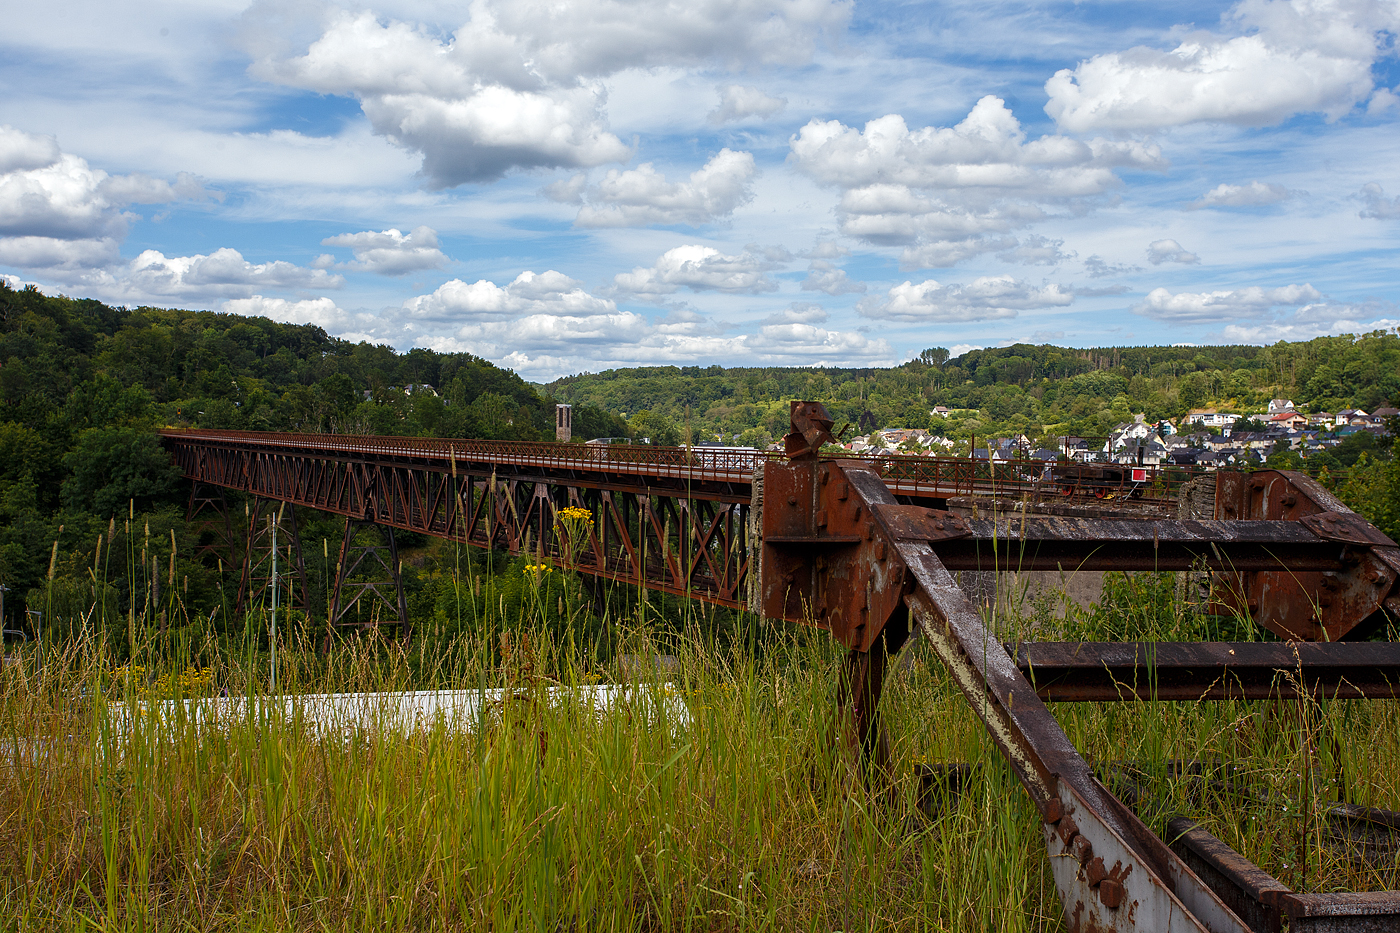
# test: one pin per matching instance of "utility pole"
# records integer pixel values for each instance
(272, 640)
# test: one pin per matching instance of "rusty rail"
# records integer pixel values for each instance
(1109, 671)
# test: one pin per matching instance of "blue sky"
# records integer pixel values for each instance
(577, 186)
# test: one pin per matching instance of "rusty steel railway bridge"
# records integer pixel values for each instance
(868, 550)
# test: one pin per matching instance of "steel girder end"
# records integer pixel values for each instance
(1307, 605)
(811, 428)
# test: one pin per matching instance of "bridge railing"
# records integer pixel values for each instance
(909, 474)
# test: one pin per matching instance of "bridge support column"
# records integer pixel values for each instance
(368, 569)
(257, 556)
(208, 514)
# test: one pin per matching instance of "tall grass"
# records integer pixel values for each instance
(122, 812)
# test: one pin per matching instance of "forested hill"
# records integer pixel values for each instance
(84, 386)
(1037, 390)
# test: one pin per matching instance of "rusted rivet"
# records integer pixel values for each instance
(1094, 872)
(879, 550)
(932, 513)
(1254, 605)
(1324, 600)
(938, 525)
(1375, 576)
(1054, 811)
(792, 500)
(1257, 483)
(1082, 849)
(1068, 829)
(1111, 893)
(826, 475)
(821, 518)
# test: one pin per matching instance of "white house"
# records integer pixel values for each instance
(1210, 418)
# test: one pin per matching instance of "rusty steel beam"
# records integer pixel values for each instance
(1108, 671)
(839, 550)
(1090, 544)
(1306, 604)
(1266, 903)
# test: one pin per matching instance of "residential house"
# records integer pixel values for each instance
(1210, 418)
(1077, 449)
(1381, 417)
(1353, 416)
(940, 410)
(1323, 419)
(1208, 459)
(1289, 419)
(1128, 434)
(1278, 406)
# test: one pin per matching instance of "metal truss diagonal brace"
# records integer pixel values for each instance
(369, 569)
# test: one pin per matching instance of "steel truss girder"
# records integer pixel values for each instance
(681, 537)
(366, 570)
(256, 577)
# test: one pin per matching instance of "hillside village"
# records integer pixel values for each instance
(1203, 438)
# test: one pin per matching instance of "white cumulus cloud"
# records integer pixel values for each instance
(58, 255)
(222, 273)
(390, 252)
(58, 212)
(699, 268)
(1254, 194)
(520, 84)
(21, 151)
(983, 299)
(642, 196)
(738, 102)
(549, 293)
(1290, 56)
(1216, 306)
(1160, 251)
(823, 276)
(950, 193)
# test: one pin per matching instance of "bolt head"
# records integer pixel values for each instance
(1082, 849)
(1111, 893)
(1095, 872)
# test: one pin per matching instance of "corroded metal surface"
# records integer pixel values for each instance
(1311, 604)
(1098, 671)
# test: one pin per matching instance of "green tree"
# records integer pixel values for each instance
(109, 466)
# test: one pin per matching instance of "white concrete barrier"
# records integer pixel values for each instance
(408, 711)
